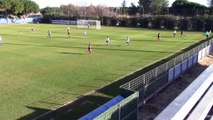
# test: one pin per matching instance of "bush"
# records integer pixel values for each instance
(113, 21)
(148, 21)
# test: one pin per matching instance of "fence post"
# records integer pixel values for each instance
(166, 66)
(137, 104)
(129, 85)
(174, 64)
(144, 82)
(181, 72)
(119, 112)
(156, 77)
(188, 59)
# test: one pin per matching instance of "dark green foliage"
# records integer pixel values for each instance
(185, 8)
(184, 23)
(209, 23)
(182, 15)
(158, 22)
(133, 9)
(18, 7)
(106, 21)
(144, 22)
(123, 8)
(124, 22)
(134, 22)
(114, 21)
(152, 6)
(50, 11)
(145, 6)
(30, 6)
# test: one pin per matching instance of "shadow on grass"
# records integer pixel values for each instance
(107, 45)
(37, 112)
(106, 48)
(84, 103)
(87, 103)
(71, 53)
(72, 111)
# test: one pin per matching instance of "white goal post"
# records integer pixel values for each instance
(89, 24)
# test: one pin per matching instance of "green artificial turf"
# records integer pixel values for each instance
(45, 73)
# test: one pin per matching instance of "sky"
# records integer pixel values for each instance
(117, 3)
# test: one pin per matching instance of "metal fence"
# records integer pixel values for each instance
(143, 87)
(125, 110)
(152, 81)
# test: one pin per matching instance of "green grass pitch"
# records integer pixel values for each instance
(49, 72)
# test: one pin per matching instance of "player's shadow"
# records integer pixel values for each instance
(77, 37)
(107, 45)
(70, 53)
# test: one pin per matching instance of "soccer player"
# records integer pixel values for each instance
(127, 41)
(68, 32)
(207, 34)
(89, 48)
(181, 33)
(174, 33)
(85, 34)
(158, 37)
(32, 28)
(1, 42)
(107, 40)
(49, 34)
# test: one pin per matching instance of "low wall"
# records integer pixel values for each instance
(65, 22)
(19, 20)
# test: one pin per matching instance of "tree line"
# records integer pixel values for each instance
(150, 7)
(147, 13)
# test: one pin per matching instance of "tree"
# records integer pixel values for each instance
(5, 4)
(165, 7)
(50, 11)
(185, 8)
(133, 9)
(30, 7)
(46, 11)
(145, 6)
(123, 8)
(72, 10)
(18, 7)
(152, 6)
(158, 6)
